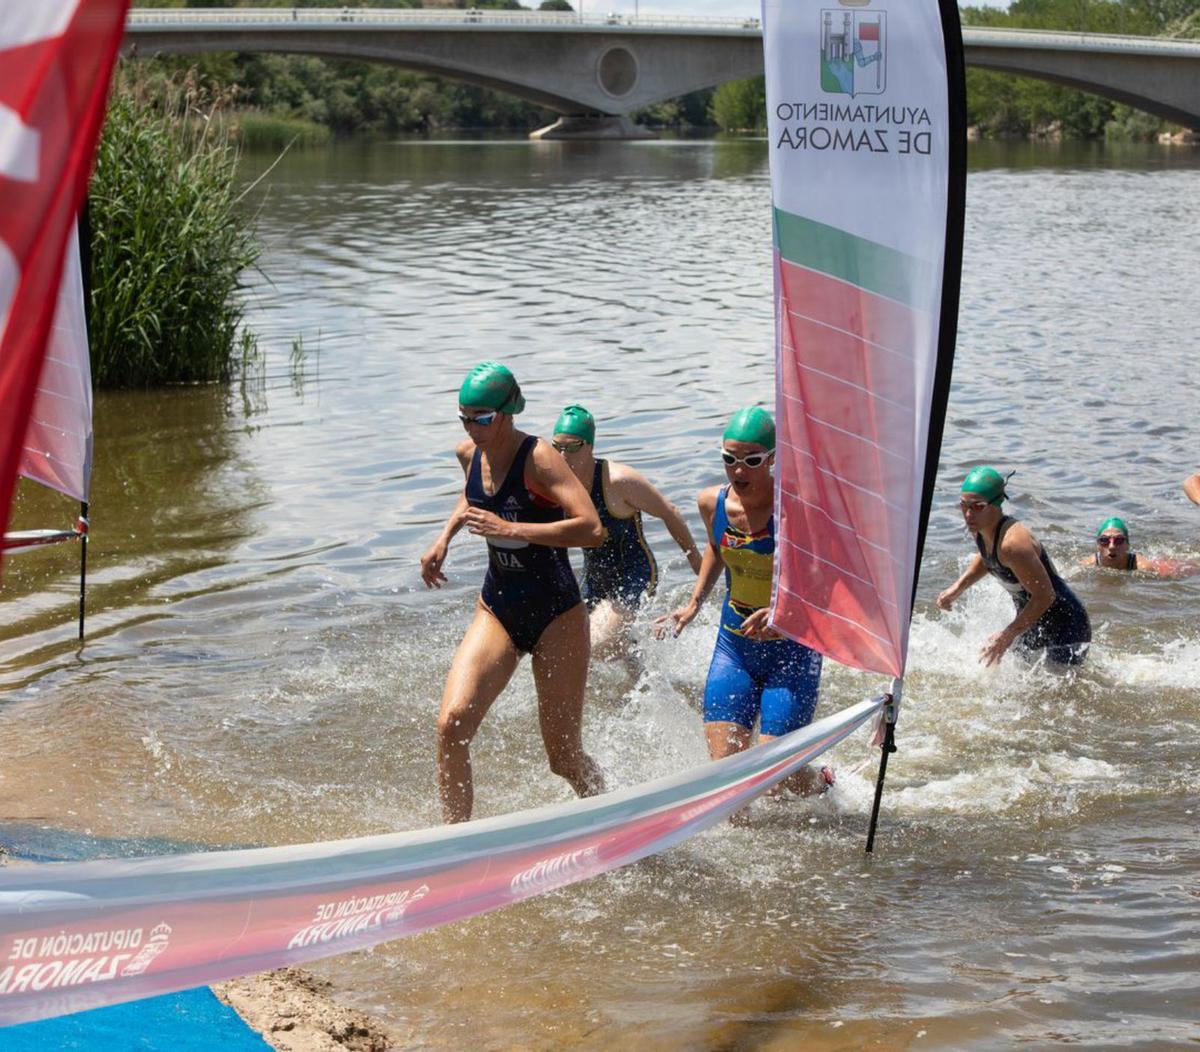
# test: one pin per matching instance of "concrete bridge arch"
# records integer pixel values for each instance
(597, 70)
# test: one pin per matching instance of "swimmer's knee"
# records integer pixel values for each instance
(453, 730)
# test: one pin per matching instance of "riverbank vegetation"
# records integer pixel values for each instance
(170, 239)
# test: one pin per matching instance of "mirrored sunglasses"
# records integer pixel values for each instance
(1116, 541)
(568, 447)
(481, 420)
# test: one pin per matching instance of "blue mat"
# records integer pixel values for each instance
(182, 1022)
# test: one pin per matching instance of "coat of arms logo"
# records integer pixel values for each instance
(853, 50)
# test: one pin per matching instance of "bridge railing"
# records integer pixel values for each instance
(366, 16)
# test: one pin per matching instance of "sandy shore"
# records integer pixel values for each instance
(294, 1012)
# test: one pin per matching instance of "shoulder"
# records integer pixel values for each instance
(465, 450)
(707, 500)
(543, 455)
(1018, 539)
(627, 483)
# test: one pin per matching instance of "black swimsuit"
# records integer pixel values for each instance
(622, 568)
(1064, 630)
(527, 585)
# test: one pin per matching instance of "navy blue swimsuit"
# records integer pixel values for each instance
(622, 569)
(527, 585)
(1064, 630)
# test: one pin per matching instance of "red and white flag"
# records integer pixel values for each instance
(56, 57)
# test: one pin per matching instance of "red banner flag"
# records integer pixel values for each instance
(868, 31)
(56, 57)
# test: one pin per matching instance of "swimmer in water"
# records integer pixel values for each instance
(756, 674)
(622, 572)
(524, 501)
(1050, 618)
(1113, 552)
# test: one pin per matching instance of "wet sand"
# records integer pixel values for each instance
(295, 1012)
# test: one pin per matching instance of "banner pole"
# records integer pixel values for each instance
(886, 748)
(83, 522)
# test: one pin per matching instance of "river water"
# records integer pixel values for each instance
(263, 665)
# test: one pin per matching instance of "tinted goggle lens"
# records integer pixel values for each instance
(482, 420)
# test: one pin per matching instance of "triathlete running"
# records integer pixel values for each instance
(1050, 618)
(622, 572)
(756, 674)
(521, 497)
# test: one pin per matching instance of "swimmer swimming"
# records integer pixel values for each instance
(756, 675)
(621, 572)
(1050, 618)
(524, 501)
(1113, 552)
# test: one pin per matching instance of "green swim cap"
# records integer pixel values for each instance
(491, 385)
(987, 482)
(1113, 523)
(751, 425)
(577, 421)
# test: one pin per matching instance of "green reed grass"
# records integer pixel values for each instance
(254, 128)
(170, 239)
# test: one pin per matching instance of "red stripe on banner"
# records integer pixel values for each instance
(877, 319)
(56, 88)
(868, 31)
(846, 468)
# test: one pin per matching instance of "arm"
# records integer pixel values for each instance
(433, 560)
(635, 491)
(1021, 555)
(976, 571)
(547, 474)
(710, 572)
(1169, 569)
(1191, 487)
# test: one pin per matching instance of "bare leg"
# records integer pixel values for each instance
(725, 739)
(608, 624)
(808, 781)
(560, 662)
(482, 666)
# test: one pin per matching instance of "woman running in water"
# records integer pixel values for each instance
(525, 502)
(1050, 618)
(622, 572)
(756, 674)
(1114, 553)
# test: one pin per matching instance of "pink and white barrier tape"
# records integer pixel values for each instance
(84, 934)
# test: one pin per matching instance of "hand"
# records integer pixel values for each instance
(946, 599)
(757, 625)
(674, 622)
(431, 565)
(485, 524)
(995, 648)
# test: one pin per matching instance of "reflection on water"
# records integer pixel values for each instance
(264, 666)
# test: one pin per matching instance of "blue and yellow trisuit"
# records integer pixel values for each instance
(776, 680)
(622, 569)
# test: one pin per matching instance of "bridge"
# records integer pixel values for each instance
(596, 70)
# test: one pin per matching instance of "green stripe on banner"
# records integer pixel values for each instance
(867, 264)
